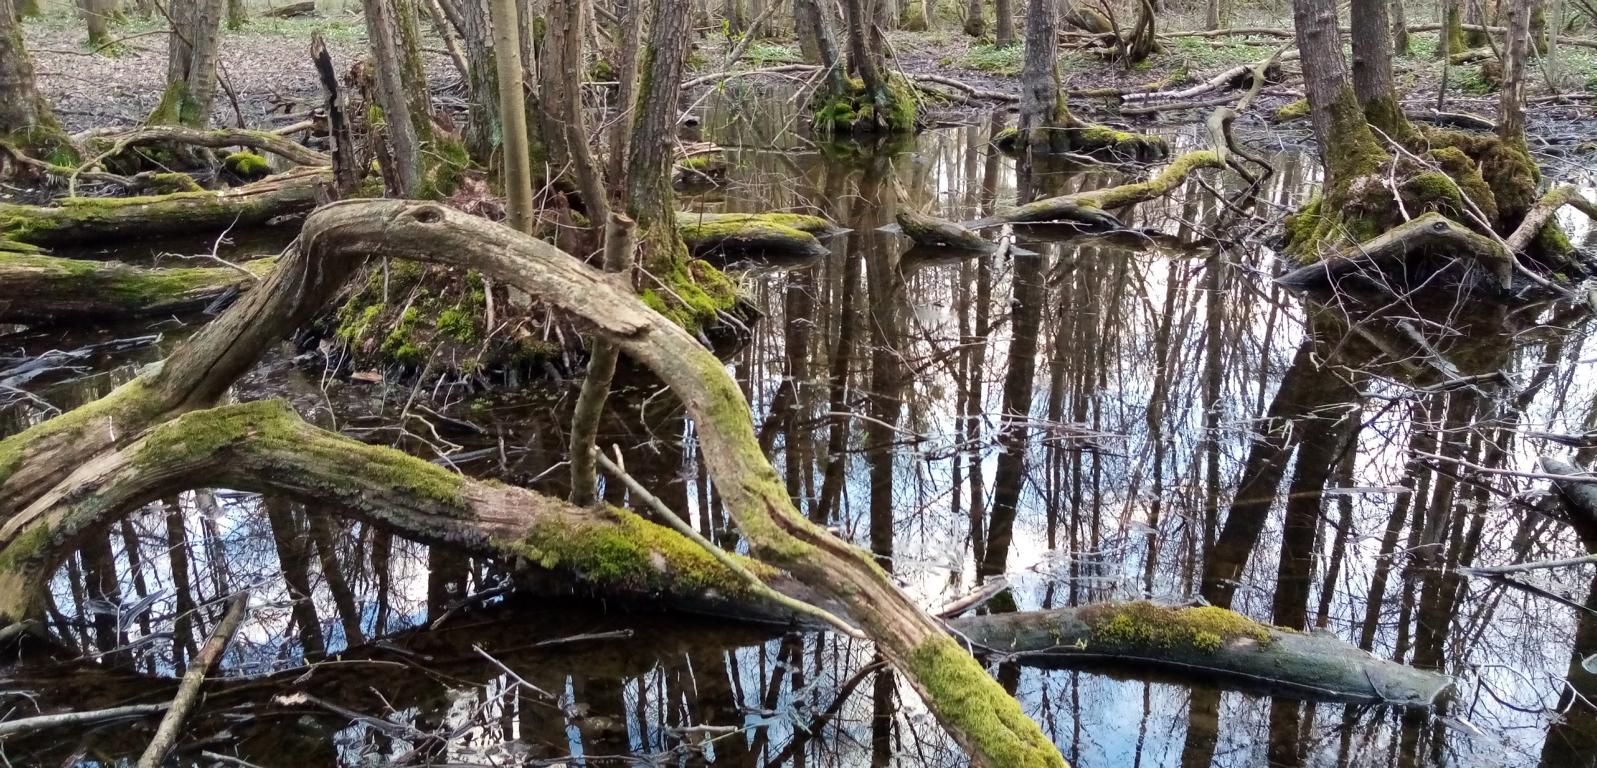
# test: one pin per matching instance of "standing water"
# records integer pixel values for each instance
(1086, 419)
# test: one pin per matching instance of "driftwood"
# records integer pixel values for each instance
(79, 221)
(41, 288)
(1090, 210)
(188, 693)
(45, 471)
(292, 10)
(932, 231)
(1428, 233)
(1203, 642)
(729, 235)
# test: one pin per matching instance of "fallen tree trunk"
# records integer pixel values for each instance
(264, 141)
(41, 288)
(264, 446)
(753, 234)
(1090, 209)
(78, 221)
(940, 233)
(1203, 642)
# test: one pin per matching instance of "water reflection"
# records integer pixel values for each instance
(1087, 420)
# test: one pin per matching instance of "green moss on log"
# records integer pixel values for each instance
(247, 165)
(128, 404)
(962, 692)
(1144, 625)
(632, 554)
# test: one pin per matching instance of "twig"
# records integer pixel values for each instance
(188, 692)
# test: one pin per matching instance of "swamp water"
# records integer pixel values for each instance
(1090, 420)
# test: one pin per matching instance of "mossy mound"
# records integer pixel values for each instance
(1464, 172)
(247, 165)
(416, 316)
(1292, 110)
(889, 110)
(694, 295)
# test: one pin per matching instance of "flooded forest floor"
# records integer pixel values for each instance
(1077, 419)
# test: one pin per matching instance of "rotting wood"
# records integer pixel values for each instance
(79, 221)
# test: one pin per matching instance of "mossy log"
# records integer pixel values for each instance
(1091, 209)
(1092, 139)
(220, 138)
(1431, 233)
(79, 221)
(41, 288)
(41, 467)
(264, 446)
(934, 232)
(1203, 642)
(727, 235)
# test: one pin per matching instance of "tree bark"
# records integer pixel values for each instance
(401, 88)
(1400, 40)
(1042, 113)
(513, 113)
(565, 129)
(975, 25)
(23, 112)
(1511, 97)
(48, 289)
(191, 64)
(1004, 23)
(651, 149)
(1348, 148)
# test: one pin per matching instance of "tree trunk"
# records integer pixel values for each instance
(97, 18)
(1348, 149)
(975, 25)
(513, 113)
(401, 92)
(1042, 113)
(1511, 98)
(1215, 16)
(1452, 33)
(25, 117)
(190, 64)
(654, 128)
(565, 129)
(1372, 69)
(1004, 19)
(238, 14)
(814, 26)
(625, 57)
(1400, 41)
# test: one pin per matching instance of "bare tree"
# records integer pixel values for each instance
(191, 64)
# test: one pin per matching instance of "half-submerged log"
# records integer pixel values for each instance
(1204, 642)
(43, 288)
(727, 235)
(1090, 210)
(78, 220)
(931, 231)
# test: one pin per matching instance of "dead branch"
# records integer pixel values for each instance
(188, 692)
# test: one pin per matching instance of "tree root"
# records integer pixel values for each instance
(1090, 209)
(1429, 233)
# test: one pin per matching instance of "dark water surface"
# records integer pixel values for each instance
(1090, 420)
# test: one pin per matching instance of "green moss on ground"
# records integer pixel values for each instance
(891, 110)
(1292, 110)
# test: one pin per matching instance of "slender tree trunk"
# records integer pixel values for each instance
(401, 89)
(651, 155)
(97, 18)
(294, 561)
(190, 64)
(862, 61)
(1042, 114)
(1372, 68)
(1004, 19)
(513, 113)
(1215, 16)
(630, 12)
(1452, 29)
(565, 131)
(238, 14)
(619, 244)
(1400, 41)
(975, 25)
(320, 526)
(1511, 98)
(732, 12)
(816, 38)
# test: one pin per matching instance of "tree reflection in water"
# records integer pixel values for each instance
(1089, 420)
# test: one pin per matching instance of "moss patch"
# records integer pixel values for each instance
(1292, 110)
(963, 694)
(890, 110)
(631, 554)
(247, 165)
(1146, 625)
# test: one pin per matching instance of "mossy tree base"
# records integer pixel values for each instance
(855, 111)
(1481, 185)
